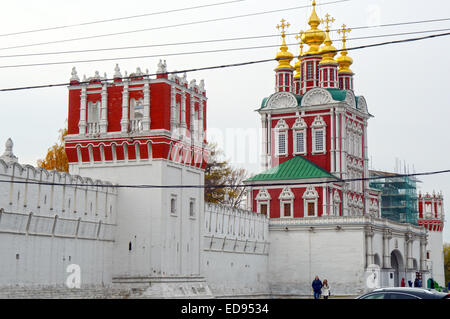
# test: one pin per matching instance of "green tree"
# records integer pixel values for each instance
(56, 157)
(219, 173)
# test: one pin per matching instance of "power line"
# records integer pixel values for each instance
(211, 41)
(336, 180)
(168, 26)
(180, 53)
(220, 66)
(117, 19)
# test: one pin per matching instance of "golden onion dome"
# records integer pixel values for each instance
(344, 60)
(328, 51)
(284, 57)
(314, 37)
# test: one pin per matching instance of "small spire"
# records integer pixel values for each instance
(8, 156)
(344, 61)
(328, 51)
(298, 37)
(284, 57)
(313, 37)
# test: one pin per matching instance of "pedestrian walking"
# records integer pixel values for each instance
(317, 287)
(416, 282)
(326, 292)
(403, 283)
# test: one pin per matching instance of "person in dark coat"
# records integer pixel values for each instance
(416, 282)
(317, 287)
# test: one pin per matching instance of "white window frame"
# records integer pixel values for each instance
(286, 197)
(300, 126)
(310, 196)
(282, 212)
(263, 197)
(296, 151)
(317, 126)
(262, 202)
(281, 129)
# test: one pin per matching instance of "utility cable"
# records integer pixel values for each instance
(212, 67)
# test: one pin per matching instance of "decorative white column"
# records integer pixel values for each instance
(333, 141)
(192, 119)
(104, 110)
(200, 120)
(82, 123)
(264, 142)
(183, 110)
(124, 121)
(173, 105)
(423, 260)
(338, 141)
(386, 255)
(146, 119)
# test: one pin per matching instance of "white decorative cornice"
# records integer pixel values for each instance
(317, 96)
(318, 122)
(263, 194)
(362, 104)
(281, 125)
(310, 193)
(350, 99)
(286, 194)
(117, 73)
(281, 100)
(300, 124)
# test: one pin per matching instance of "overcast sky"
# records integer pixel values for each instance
(405, 85)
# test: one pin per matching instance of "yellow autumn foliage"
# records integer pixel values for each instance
(56, 158)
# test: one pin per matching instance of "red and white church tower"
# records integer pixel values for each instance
(431, 216)
(314, 134)
(142, 130)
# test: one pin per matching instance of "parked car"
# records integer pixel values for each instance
(404, 293)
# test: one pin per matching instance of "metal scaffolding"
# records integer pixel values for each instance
(398, 198)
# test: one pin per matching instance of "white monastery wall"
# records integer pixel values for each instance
(298, 254)
(235, 251)
(154, 239)
(436, 261)
(45, 228)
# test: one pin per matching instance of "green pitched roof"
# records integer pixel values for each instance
(297, 167)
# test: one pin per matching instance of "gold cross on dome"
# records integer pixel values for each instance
(283, 26)
(328, 21)
(344, 32)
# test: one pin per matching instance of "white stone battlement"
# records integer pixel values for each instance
(25, 189)
(233, 222)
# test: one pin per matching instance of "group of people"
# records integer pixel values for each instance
(417, 283)
(321, 288)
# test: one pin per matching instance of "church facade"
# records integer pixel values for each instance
(130, 217)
